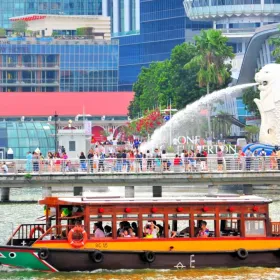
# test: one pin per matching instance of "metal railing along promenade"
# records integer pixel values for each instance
(140, 165)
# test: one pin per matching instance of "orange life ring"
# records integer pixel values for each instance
(77, 243)
(37, 228)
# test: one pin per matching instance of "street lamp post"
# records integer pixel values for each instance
(55, 131)
(170, 110)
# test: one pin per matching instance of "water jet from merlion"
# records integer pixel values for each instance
(188, 120)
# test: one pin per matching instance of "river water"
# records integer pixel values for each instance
(13, 214)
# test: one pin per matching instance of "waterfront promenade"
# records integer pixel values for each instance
(147, 172)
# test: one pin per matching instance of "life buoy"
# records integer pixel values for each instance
(37, 228)
(149, 256)
(97, 256)
(242, 253)
(43, 254)
(77, 243)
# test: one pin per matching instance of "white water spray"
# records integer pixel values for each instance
(188, 120)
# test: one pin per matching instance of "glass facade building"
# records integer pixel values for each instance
(23, 137)
(163, 25)
(12, 8)
(58, 65)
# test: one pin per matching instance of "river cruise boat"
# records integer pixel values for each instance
(85, 234)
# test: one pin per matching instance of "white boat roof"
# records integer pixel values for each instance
(191, 199)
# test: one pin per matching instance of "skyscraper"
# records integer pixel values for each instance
(160, 25)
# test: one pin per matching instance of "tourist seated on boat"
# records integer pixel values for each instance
(187, 230)
(126, 234)
(171, 233)
(135, 228)
(120, 229)
(151, 230)
(204, 231)
(161, 230)
(97, 231)
(131, 232)
(108, 231)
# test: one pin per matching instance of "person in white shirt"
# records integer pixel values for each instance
(5, 167)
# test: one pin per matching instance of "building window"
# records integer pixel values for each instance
(72, 146)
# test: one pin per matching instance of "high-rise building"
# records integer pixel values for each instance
(67, 65)
(237, 19)
(12, 8)
(160, 25)
(147, 29)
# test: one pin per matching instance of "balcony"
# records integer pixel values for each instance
(212, 9)
(29, 66)
(29, 82)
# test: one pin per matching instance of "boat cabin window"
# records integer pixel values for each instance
(101, 226)
(230, 224)
(178, 225)
(204, 225)
(127, 226)
(255, 225)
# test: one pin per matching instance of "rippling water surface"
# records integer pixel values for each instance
(17, 213)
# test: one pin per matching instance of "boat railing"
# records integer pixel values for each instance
(275, 228)
(58, 232)
(25, 233)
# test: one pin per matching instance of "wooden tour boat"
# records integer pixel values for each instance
(157, 233)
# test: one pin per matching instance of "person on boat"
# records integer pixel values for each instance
(120, 229)
(108, 231)
(131, 232)
(98, 233)
(126, 234)
(151, 230)
(135, 228)
(204, 231)
(187, 230)
(171, 233)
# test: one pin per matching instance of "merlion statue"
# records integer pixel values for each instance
(269, 103)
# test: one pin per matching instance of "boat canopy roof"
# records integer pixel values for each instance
(87, 200)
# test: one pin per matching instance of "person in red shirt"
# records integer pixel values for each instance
(176, 163)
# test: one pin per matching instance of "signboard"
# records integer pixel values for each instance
(87, 127)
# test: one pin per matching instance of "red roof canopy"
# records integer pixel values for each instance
(64, 103)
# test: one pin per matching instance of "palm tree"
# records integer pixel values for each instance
(212, 51)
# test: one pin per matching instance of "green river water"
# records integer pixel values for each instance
(13, 214)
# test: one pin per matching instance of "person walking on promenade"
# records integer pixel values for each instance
(83, 162)
(220, 159)
(248, 158)
(90, 160)
(101, 162)
(273, 161)
(278, 158)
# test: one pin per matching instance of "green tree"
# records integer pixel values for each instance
(275, 42)
(251, 131)
(150, 88)
(19, 26)
(2, 32)
(212, 52)
(248, 99)
(166, 80)
(84, 31)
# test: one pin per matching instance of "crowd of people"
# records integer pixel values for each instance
(150, 230)
(129, 158)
